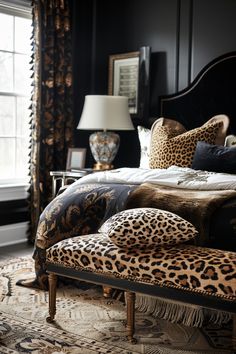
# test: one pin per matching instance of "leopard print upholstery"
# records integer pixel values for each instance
(147, 227)
(190, 268)
(169, 149)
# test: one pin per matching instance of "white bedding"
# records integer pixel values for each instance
(174, 176)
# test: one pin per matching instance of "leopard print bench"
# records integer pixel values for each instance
(185, 273)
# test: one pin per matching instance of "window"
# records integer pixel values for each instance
(15, 91)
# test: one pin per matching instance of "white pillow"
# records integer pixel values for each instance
(144, 135)
(230, 140)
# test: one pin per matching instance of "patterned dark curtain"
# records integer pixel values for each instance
(52, 114)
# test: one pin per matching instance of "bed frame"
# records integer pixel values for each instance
(212, 92)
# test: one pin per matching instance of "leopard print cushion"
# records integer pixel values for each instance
(190, 268)
(167, 149)
(147, 227)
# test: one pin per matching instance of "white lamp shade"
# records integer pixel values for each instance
(102, 112)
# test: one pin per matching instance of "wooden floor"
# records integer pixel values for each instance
(19, 250)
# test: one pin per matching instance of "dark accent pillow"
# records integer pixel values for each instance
(214, 158)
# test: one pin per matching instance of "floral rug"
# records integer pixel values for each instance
(88, 323)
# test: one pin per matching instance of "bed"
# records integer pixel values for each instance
(84, 206)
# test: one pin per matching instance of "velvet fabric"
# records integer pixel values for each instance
(52, 115)
(214, 158)
(211, 92)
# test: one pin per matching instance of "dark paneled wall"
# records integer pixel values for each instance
(152, 23)
(213, 31)
(184, 36)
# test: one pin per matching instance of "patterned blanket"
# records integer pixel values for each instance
(79, 210)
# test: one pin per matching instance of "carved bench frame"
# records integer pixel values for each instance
(131, 287)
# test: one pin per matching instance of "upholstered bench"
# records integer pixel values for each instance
(182, 272)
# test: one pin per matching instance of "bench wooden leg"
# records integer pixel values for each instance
(234, 332)
(107, 291)
(130, 298)
(52, 280)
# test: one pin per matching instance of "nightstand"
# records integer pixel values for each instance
(62, 178)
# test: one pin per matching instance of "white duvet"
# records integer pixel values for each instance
(174, 176)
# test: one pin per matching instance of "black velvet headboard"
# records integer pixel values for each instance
(212, 92)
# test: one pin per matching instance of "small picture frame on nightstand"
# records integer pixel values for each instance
(75, 159)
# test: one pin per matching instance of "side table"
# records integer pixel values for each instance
(62, 178)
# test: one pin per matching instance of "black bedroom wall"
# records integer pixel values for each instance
(213, 31)
(184, 36)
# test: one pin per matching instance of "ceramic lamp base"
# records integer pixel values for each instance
(104, 147)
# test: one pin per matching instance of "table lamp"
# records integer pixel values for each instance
(104, 113)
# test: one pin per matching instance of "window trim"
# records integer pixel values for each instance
(15, 189)
(16, 8)
(14, 192)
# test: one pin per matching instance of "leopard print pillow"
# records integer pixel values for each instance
(169, 149)
(145, 227)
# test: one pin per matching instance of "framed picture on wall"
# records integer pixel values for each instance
(128, 75)
(75, 159)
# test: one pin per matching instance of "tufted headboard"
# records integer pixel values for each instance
(212, 92)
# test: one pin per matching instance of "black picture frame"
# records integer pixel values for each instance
(128, 75)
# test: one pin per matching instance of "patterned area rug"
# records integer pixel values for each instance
(88, 323)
